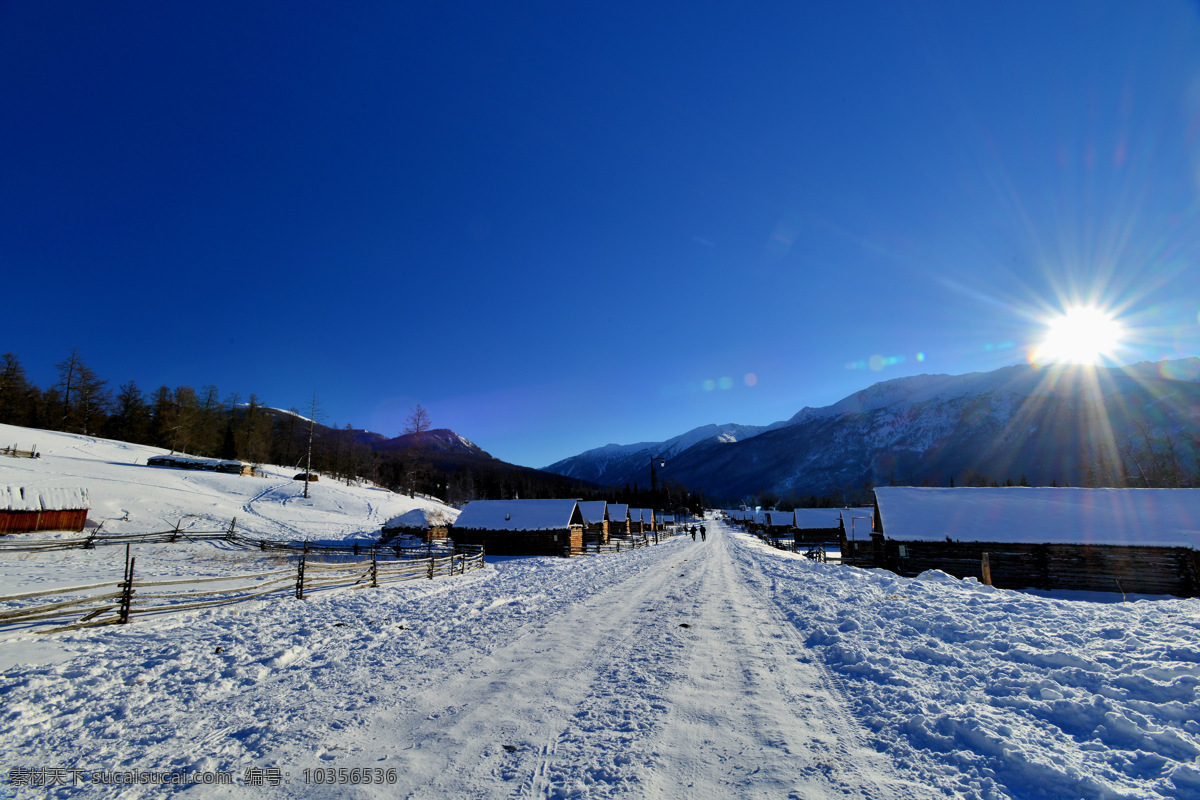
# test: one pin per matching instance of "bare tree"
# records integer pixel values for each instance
(84, 395)
(416, 426)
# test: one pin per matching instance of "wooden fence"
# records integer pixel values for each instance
(816, 548)
(318, 566)
(113, 603)
(229, 536)
(622, 543)
(15, 452)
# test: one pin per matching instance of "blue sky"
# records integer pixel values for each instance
(561, 225)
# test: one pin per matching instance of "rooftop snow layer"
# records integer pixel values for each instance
(779, 519)
(420, 518)
(830, 517)
(19, 498)
(593, 511)
(1147, 517)
(516, 515)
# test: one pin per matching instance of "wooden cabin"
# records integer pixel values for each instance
(28, 509)
(778, 523)
(849, 529)
(228, 466)
(595, 520)
(426, 524)
(618, 519)
(641, 521)
(1110, 540)
(521, 527)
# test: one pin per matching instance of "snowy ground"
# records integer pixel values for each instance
(129, 497)
(686, 670)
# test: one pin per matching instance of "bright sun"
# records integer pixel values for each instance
(1082, 335)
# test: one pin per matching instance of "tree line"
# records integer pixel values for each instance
(185, 420)
(203, 422)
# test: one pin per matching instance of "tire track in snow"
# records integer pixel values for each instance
(571, 697)
(841, 761)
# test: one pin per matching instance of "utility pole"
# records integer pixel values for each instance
(662, 462)
(312, 422)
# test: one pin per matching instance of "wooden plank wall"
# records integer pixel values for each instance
(1097, 568)
(31, 521)
(807, 535)
(523, 543)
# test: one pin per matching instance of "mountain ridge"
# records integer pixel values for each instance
(1065, 423)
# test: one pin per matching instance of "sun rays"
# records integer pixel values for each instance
(1081, 335)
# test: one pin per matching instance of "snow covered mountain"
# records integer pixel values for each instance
(1063, 423)
(440, 441)
(615, 464)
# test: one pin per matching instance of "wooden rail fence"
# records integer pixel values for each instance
(113, 603)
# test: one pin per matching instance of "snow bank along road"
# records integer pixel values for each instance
(700, 670)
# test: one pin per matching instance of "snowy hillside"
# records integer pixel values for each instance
(129, 497)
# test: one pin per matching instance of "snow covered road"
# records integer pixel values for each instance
(671, 678)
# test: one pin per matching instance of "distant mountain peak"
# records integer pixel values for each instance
(1021, 420)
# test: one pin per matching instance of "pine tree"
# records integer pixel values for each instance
(18, 398)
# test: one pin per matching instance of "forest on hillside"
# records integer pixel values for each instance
(202, 422)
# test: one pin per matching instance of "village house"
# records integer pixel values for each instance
(778, 524)
(425, 524)
(595, 520)
(618, 519)
(227, 466)
(29, 509)
(521, 527)
(1111, 540)
(641, 521)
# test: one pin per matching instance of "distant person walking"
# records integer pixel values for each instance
(703, 533)
(693, 533)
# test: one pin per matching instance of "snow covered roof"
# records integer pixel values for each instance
(644, 514)
(192, 462)
(594, 511)
(779, 519)
(20, 498)
(420, 518)
(830, 517)
(1148, 517)
(618, 512)
(519, 515)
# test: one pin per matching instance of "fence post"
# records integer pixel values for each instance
(232, 528)
(127, 587)
(987, 570)
(300, 574)
(374, 568)
(431, 564)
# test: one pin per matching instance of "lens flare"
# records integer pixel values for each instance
(1082, 335)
